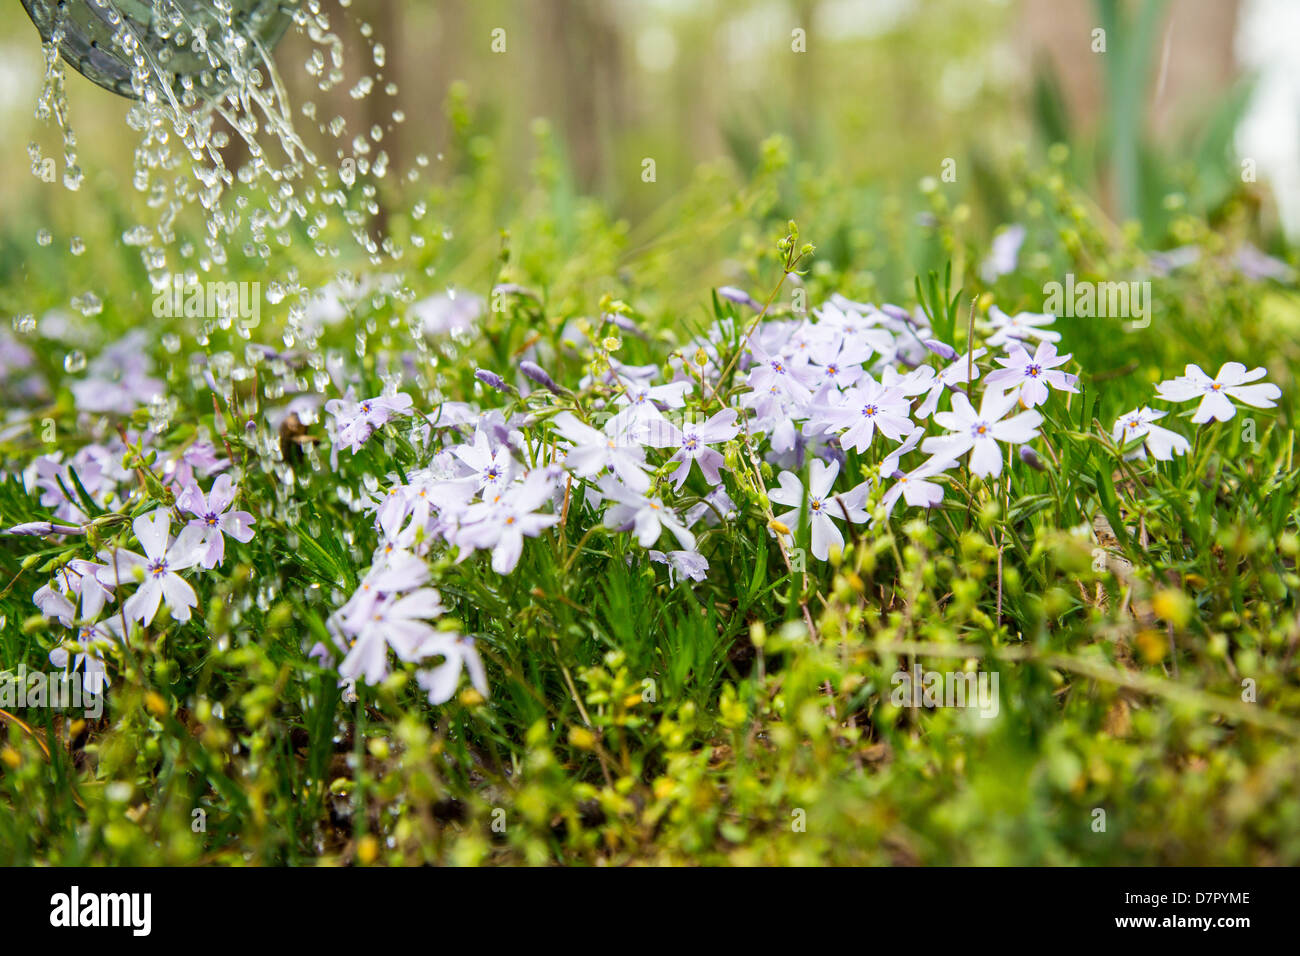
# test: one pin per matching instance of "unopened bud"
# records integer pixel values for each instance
(1030, 458)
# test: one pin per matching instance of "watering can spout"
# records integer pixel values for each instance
(189, 47)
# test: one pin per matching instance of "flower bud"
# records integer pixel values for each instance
(536, 373)
(1030, 458)
(492, 380)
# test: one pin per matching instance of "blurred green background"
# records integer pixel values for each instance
(879, 91)
(902, 133)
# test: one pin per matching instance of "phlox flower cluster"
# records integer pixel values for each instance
(98, 601)
(857, 410)
(819, 425)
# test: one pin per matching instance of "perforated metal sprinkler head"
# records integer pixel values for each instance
(192, 48)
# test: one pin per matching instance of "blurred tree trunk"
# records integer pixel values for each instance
(581, 75)
(1188, 59)
(804, 85)
(1194, 58)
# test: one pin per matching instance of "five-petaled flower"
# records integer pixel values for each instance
(1029, 375)
(647, 516)
(692, 442)
(682, 564)
(457, 652)
(156, 570)
(1021, 326)
(492, 466)
(401, 623)
(824, 509)
(355, 421)
(915, 487)
(614, 448)
(91, 640)
(505, 519)
(213, 517)
(777, 376)
(1231, 382)
(866, 407)
(979, 432)
(1140, 423)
